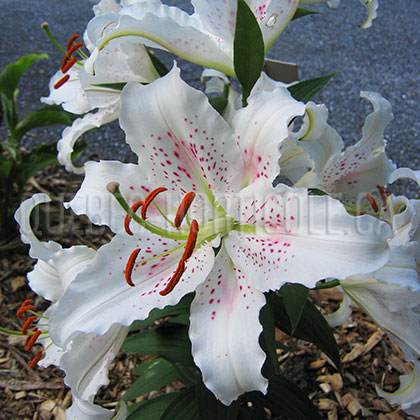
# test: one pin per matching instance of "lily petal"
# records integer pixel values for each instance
(77, 129)
(261, 127)
(227, 353)
(342, 314)
(300, 238)
(41, 250)
(405, 173)
(115, 301)
(185, 144)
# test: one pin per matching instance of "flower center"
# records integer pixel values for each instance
(193, 235)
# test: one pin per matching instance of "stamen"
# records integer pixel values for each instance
(31, 339)
(372, 202)
(68, 65)
(148, 200)
(36, 359)
(26, 306)
(71, 41)
(175, 279)
(127, 219)
(27, 324)
(129, 267)
(191, 241)
(62, 81)
(183, 208)
(73, 49)
(383, 195)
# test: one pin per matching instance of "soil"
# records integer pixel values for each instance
(368, 356)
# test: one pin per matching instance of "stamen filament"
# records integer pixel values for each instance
(148, 200)
(183, 208)
(114, 189)
(175, 279)
(36, 359)
(163, 215)
(130, 265)
(62, 81)
(127, 219)
(73, 49)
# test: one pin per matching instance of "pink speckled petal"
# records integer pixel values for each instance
(273, 16)
(100, 296)
(261, 127)
(182, 142)
(301, 238)
(94, 200)
(361, 167)
(77, 129)
(224, 332)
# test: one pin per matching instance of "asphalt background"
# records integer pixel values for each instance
(384, 58)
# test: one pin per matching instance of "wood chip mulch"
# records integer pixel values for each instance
(367, 354)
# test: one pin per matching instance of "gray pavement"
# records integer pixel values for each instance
(384, 58)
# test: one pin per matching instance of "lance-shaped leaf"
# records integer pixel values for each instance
(294, 299)
(151, 409)
(184, 407)
(305, 90)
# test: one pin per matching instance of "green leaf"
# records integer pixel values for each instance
(5, 167)
(294, 299)
(284, 398)
(183, 407)
(219, 103)
(151, 409)
(170, 342)
(10, 115)
(312, 327)
(268, 341)
(254, 412)
(301, 12)
(47, 115)
(159, 66)
(154, 374)
(316, 191)
(10, 76)
(210, 408)
(305, 90)
(248, 49)
(182, 307)
(41, 156)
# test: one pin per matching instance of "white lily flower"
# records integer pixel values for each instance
(87, 357)
(205, 38)
(371, 6)
(119, 62)
(314, 156)
(269, 235)
(405, 173)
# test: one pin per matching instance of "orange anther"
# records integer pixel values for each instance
(31, 339)
(68, 65)
(130, 265)
(28, 323)
(26, 306)
(372, 202)
(174, 279)
(127, 219)
(192, 239)
(62, 81)
(383, 195)
(148, 200)
(36, 359)
(183, 208)
(71, 40)
(73, 49)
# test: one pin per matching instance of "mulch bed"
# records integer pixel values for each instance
(368, 356)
